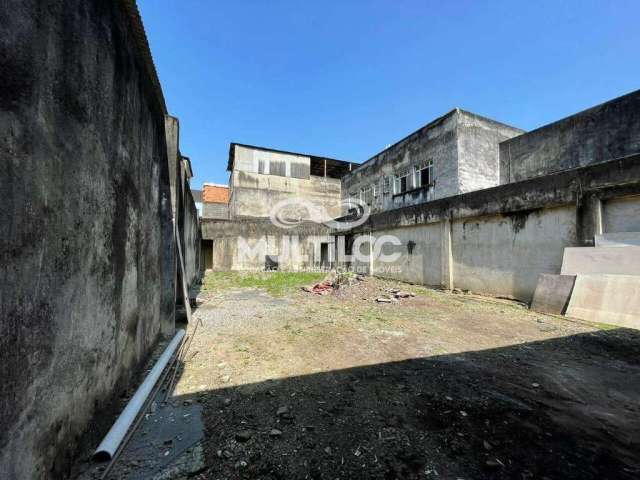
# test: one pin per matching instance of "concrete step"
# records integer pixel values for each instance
(612, 299)
(610, 260)
(552, 293)
(621, 239)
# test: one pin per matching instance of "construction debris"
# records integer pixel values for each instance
(322, 288)
(338, 281)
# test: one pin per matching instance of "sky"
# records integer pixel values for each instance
(346, 78)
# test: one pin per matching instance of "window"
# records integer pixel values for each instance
(263, 166)
(423, 175)
(386, 185)
(401, 183)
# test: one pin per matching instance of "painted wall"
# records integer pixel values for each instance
(601, 133)
(86, 252)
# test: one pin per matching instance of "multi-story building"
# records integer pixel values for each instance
(456, 153)
(261, 178)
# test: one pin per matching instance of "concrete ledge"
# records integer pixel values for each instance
(622, 239)
(609, 260)
(613, 299)
(610, 179)
(552, 293)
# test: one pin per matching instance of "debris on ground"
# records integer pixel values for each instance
(322, 288)
(385, 300)
(337, 281)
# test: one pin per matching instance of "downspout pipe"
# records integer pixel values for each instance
(110, 443)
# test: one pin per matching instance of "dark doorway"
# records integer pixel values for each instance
(207, 254)
(324, 256)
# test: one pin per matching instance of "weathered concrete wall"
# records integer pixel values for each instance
(621, 214)
(503, 255)
(254, 194)
(601, 133)
(436, 141)
(215, 210)
(497, 241)
(85, 221)
(479, 152)
(192, 239)
(243, 244)
(462, 146)
(420, 252)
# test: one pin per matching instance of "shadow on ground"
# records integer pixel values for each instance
(566, 408)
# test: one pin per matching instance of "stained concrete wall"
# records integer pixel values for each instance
(254, 194)
(85, 222)
(497, 241)
(243, 244)
(215, 210)
(479, 152)
(503, 255)
(420, 259)
(192, 239)
(607, 131)
(462, 146)
(621, 214)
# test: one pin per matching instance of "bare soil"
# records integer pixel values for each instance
(440, 385)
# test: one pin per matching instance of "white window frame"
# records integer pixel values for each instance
(417, 174)
(397, 181)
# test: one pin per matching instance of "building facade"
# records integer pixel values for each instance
(456, 153)
(262, 178)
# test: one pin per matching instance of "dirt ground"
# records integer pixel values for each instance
(439, 385)
(284, 384)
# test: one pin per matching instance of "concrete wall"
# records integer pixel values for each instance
(421, 255)
(497, 241)
(622, 214)
(462, 146)
(192, 239)
(436, 141)
(604, 132)
(86, 259)
(254, 194)
(479, 152)
(215, 210)
(296, 248)
(503, 255)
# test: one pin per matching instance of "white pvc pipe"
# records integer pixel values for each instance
(107, 448)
